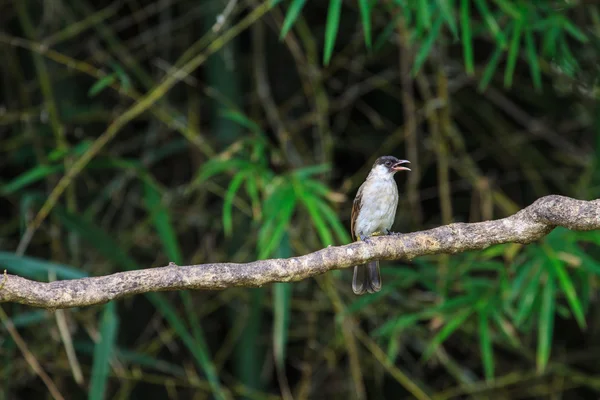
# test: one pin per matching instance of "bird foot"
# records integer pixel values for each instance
(366, 239)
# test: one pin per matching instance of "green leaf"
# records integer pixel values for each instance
(513, 53)
(534, 65)
(217, 166)
(485, 341)
(291, 17)
(528, 297)
(27, 319)
(103, 352)
(252, 190)
(362, 302)
(276, 223)
(507, 6)
(27, 178)
(446, 308)
(199, 349)
(234, 186)
(365, 17)
(386, 33)
(317, 219)
(467, 39)
(506, 328)
(546, 325)
(161, 219)
(427, 45)
(491, 23)
(102, 84)
(573, 30)
(250, 349)
(567, 286)
(244, 121)
(331, 29)
(77, 150)
(135, 358)
(36, 268)
(523, 272)
(333, 221)
(549, 41)
(488, 73)
(589, 236)
(122, 75)
(447, 11)
(451, 326)
(307, 172)
(282, 304)
(423, 14)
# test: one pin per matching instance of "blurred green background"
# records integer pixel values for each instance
(231, 130)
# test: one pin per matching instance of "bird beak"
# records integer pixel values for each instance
(398, 166)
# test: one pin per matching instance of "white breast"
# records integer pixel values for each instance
(379, 202)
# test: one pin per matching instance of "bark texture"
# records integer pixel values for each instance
(526, 226)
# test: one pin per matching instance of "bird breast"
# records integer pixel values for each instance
(378, 208)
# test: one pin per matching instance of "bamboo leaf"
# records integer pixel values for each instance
(467, 39)
(485, 341)
(161, 219)
(36, 268)
(331, 29)
(234, 186)
(534, 65)
(447, 11)
(291, 17)
(546, 325)
(513, 53)
(451, 326)
(102, 84)
(103, 352)
(491, 23)
(427, 45)
(567, 286)
(35, 174)
(528, 297)
(488, 73)
(423, 14)
(317, 219)
(365, 17)
(282, 303)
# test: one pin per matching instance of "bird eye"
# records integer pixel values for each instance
(388, 163)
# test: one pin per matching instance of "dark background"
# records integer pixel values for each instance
(257, 152)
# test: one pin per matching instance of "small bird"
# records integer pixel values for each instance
(373, 213)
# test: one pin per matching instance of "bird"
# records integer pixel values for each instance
(373, 213)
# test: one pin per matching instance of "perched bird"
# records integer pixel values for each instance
(373, 213)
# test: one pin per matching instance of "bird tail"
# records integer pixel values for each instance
(367, 278)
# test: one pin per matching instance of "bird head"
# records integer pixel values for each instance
(390, 164)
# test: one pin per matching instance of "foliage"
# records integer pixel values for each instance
(186, 132)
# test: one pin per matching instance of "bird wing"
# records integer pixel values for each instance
(355, 210)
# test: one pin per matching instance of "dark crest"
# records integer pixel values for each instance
(388, 161)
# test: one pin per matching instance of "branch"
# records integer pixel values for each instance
(524, 227)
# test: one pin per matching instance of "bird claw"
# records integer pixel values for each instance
(366, 239)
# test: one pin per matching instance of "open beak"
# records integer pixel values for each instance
(398, 166)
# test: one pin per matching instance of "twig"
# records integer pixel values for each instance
(29, 357)
(526, 226)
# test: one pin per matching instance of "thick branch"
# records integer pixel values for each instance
(524, 227)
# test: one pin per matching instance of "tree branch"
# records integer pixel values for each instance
(526, 226)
